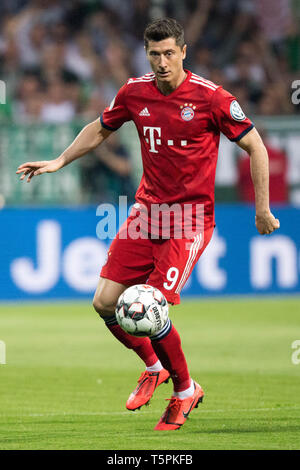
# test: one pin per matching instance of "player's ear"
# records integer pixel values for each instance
(184, 52)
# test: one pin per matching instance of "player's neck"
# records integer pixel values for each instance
(168, 87)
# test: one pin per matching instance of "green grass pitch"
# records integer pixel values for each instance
(66, 379)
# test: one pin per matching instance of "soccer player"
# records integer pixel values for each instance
(179, 116)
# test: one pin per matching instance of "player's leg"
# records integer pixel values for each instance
(175, 261)
(105, 301)
(129, 262)
(106, 296)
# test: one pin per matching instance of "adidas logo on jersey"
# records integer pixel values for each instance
(144, 112)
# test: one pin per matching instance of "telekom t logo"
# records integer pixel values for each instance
(153, 141)
(151, 134)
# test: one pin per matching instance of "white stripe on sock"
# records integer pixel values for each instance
(185, 393)
(156, 367)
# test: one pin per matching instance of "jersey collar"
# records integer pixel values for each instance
(174, 92)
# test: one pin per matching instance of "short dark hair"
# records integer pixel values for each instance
(164, 28)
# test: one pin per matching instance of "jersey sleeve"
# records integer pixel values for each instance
(228, 116)
(117, 112)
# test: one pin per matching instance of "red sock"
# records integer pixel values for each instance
(142, 346)
(170, 354)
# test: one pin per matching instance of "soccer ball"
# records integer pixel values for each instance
(142, 310)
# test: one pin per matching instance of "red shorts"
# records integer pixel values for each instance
(163, 263)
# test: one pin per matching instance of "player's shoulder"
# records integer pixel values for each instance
(203, 84)
(147, 78)
(133, 84)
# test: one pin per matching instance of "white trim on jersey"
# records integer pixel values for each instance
(139, 81)
(194, 76)
(112, 104)
(192, 256)
(148, 77)
(203, 84)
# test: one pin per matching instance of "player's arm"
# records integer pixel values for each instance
(259, 166)
(88, 139)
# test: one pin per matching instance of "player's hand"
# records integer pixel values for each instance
(266, 223)
(38, 168)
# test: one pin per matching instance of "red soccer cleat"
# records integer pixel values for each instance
(178, 410)
(147, 383)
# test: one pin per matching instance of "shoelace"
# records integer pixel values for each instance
(172, 408)
(174, 403)
(143, 375)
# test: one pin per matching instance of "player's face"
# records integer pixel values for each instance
(166, 58)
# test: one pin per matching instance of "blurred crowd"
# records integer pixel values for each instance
(66, 59)
(62, 59)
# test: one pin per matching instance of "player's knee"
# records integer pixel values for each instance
(98, 305)
(103, 306)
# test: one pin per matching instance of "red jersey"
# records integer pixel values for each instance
(179, 135)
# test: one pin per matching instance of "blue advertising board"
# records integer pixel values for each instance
(56, 254)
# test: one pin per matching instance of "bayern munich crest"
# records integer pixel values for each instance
(187, 111)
